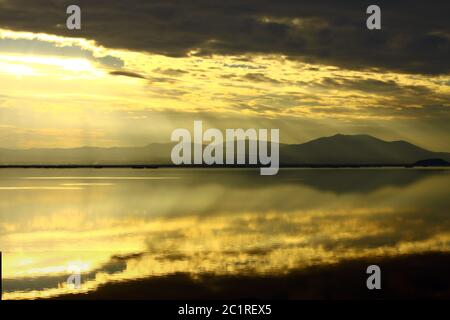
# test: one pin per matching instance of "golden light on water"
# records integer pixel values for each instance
(110, 245)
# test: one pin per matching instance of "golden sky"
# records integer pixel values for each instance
(61, 91)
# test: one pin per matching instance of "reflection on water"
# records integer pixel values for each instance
(116, 225)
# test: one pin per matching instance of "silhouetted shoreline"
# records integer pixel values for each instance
(156, 166)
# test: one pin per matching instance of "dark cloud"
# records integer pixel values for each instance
(415, 35)
(127, 74)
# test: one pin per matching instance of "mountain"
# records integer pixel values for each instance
(335, 150)
(357, 149)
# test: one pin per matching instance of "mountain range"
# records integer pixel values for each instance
(334, 150)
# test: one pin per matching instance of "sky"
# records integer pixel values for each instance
(139, 69)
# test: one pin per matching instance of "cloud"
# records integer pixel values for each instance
(374, 86)
(170, 71)
(415, 37)
(427, 111)
(23, 43)
(127, 74)
(259, 77)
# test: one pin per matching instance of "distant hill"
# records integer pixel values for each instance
(432, 163)
(336, 150)
(358, 149)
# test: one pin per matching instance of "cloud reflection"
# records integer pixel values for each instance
(137, 229)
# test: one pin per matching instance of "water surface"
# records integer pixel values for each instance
(120, 226)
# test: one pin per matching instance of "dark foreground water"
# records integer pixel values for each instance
(192, 233)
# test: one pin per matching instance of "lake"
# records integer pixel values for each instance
(223, 233)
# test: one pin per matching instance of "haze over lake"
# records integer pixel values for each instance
(128, 226)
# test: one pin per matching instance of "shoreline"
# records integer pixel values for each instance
(156, 166)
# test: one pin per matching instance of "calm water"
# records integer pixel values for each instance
(118, 225)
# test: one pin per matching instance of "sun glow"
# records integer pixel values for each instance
(16, 69)
(70, 64)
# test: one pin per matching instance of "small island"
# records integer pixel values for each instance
(431, 163)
